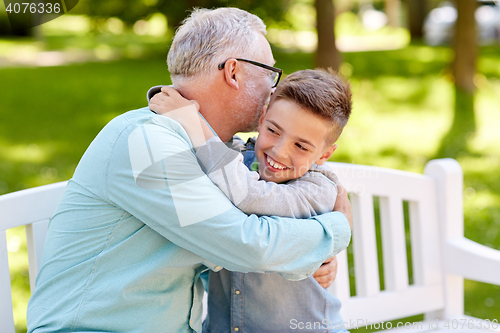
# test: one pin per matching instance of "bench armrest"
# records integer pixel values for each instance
(472, 260)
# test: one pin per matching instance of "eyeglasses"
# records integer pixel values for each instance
(275, 72)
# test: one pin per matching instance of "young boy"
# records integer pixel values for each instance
(297, 133)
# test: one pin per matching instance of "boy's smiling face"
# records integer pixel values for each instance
(291, 139)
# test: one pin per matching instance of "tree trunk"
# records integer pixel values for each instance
(464, 69)
(392, 12)
(417, 10)
(465, 45)
(327, 55)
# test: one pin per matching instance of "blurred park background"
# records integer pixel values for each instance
(425, 76)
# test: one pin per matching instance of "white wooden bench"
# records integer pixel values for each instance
(441, 256)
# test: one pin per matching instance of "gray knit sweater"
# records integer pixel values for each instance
(312, 194)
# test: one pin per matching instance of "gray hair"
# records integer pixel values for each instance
(208, 37)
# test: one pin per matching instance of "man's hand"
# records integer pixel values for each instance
(342, 204)
(326, 273)
(168, 100)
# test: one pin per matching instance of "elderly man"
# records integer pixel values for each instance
(139, 221)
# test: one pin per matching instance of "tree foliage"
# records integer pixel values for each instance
(129, 11)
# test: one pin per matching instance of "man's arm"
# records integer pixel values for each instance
(255, 196)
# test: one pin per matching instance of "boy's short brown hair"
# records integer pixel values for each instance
(322, 92)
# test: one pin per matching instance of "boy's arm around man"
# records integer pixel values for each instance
(312, 194)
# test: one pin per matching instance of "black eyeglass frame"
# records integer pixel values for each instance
(256, 63)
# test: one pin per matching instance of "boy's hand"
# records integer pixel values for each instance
(326, 273)
(168, 100)
(171, 104)
(342, 204)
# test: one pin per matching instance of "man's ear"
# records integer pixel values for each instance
(231, 73)
(326, 155)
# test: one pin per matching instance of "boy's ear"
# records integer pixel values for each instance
(326, 155)
(231, 73)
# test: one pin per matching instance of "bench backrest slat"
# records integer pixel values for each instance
(393, 243)
(400, 298)
(35, 239)
(32, 208)
(6, 315)
(365, 245)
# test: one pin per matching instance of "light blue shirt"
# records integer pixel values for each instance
(140, 221)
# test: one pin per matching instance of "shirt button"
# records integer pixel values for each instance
(237, 292)
(236, 329)
(218, 267)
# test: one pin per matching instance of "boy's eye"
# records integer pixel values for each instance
(301, 147)
(271, 130)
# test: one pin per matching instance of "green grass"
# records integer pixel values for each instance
(403, 106)
(48, 117)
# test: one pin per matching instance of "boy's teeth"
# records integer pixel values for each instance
(274, 164)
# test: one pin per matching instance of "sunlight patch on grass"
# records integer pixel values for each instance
(483, 165)
(68, 24)
(484, 199)
(396, 40)
(487, 109)
(33, 153)
(489, 65)
(8, 47)
(427, 54)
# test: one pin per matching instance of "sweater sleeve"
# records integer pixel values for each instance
(312, 194)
